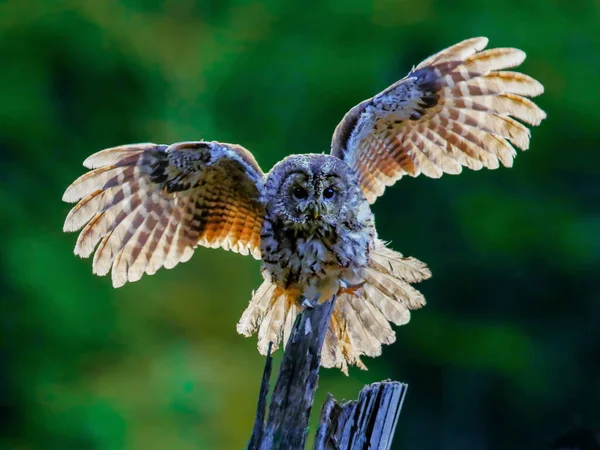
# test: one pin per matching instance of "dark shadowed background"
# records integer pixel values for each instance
(506, 355)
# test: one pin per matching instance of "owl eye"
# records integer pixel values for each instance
(328, 193)
(300, 193)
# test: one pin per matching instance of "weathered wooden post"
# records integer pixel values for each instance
(368, 422)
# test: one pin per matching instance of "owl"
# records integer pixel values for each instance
(308, 220)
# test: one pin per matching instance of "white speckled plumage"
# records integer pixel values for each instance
(146, 206)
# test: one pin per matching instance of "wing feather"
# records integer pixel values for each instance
(146, 206)
(456, 108)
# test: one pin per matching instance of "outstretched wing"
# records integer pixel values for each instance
(452, 110)
(150, 205)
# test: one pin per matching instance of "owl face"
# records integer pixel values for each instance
(306, 191)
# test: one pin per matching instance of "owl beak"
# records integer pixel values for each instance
(314, 210)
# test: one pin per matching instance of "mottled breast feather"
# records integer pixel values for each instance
(453, 110)
(148, 205)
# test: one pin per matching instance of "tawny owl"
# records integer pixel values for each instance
(145, 206)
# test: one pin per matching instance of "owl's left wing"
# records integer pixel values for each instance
(450, 111)
(146, 206)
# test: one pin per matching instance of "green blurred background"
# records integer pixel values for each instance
(506, 354)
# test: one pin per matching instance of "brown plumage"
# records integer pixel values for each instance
(452, 110)
(147, 206)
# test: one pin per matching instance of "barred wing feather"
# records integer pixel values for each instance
(146, 206)
(452, 110)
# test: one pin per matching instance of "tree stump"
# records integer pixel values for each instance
(368, 422)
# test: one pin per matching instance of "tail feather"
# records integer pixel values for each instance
(262, 300)
(395, 288)
(393, 311)
(290, 318)
(332, 353)
(271, 328)
(369, 317)
(345, 349)
(360, 323)
(390, 262)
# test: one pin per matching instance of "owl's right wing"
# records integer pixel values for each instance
(150, 205)
(450, 111)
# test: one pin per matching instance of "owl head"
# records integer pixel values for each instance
(306, 191)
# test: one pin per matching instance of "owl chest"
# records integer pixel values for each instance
(312, 261)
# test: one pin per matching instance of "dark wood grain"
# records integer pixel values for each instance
(259, 422)
(293, 395)
(368, 422)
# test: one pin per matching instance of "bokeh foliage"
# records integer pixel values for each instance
(505, 355)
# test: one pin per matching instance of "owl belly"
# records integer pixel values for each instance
(314, 264)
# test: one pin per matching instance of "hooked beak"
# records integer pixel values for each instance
(313, 210)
